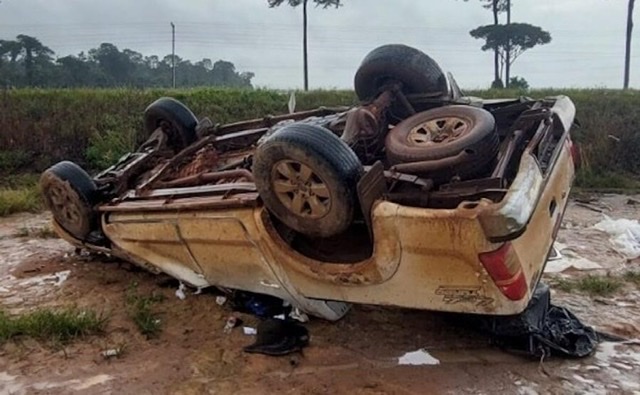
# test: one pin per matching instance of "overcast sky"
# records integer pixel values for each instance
(587, 49)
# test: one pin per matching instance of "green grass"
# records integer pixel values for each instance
(49, 325)
(93, 127)
(592, 285)
(141, 311)
(20, 200)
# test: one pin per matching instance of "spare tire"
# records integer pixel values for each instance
(307, 178)
(70, 194)
(415, 70)
(445, 132)
(176, 120)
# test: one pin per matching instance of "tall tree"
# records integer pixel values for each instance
(497, 7)
(627, 57)
(34, 52)
(511, 40)
(305, 48)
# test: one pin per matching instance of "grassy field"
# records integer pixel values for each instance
(95, 127)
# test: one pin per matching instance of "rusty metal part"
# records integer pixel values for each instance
(224, 189)
(371, 187)
(206, 160)
(303, 192)
(269, 121)
(189, 203)
(506, 156)
(118, 177)
(366, 128)
(215, 140)
(402, 98)
(425, 167)
(206, 177)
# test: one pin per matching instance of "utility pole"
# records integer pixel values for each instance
(305, 45)
(173, 54)
(627, 56)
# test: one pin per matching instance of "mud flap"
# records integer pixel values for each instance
(542, 330)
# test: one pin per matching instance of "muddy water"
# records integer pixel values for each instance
(373, 350)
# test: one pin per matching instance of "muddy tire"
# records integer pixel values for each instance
(176, 120)
(307, 178)
(70, 194)
(443, 133)
(415, 70)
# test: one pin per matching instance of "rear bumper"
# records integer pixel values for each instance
(511, 219)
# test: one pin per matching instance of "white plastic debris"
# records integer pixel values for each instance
(566, 259)
(62, 277)
(180, 292)
(249, 331)
(221, 300)
(299, 315)
(198, 291)
(280, 317)
(420, 357)
(625, 235)
(292, 102)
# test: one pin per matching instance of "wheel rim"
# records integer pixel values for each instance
(65, 207)
(439, 131)
(302, 191)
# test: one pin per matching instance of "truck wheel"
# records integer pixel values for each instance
(176, 120)
(442, 133)
(414, 69)
(307, 178)
(70, 194)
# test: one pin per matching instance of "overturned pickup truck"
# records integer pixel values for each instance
(419, 197)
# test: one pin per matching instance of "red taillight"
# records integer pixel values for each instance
(505, 270)
(575, 154)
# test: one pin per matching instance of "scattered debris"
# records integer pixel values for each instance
(563, 259)
(541, 330)
(277, 338)
(221, 300)
(180, 292)
(625, 235)
(249, 331)
(633, 202)
(299, 315)
(262, 306)
(232, 322)
(420, 357)
(590, 207)
(113, 352)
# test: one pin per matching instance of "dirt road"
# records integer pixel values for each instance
(359, 354)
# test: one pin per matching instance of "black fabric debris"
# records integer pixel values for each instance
(542, 330)
(277, 338)
(263, 306)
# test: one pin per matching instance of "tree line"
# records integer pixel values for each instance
(27, 62)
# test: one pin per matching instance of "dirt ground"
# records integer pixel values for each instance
(357, 355)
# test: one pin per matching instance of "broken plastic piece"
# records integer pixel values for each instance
(299, 315)
(249, 331)
(625, 235)
(180, 292)
(221, 300)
